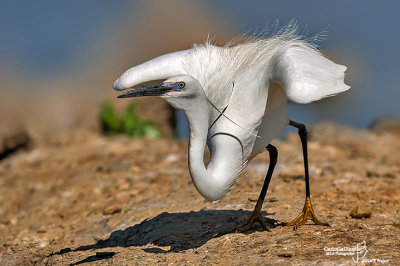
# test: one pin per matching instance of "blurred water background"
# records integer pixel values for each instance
(59, 59)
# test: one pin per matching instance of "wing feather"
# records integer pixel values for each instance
(307, 76)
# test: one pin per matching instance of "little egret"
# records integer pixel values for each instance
(234, 98)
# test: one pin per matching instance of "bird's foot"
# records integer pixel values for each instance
(256, 217)
(305, 215)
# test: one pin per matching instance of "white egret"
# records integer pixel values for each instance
(234, 98)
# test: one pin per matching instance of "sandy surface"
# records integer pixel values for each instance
(84, 198)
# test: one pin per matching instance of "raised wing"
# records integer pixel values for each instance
(159, 68)
(307, 76)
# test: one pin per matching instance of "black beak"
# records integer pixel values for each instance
(156, 90)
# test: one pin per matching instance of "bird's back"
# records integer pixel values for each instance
(241, 77)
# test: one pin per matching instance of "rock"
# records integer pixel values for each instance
(273, 199)
(359, 225)
(115, 208)
(263, 250)
(13, 141)
(42, 243)
(13, 221)
(386, 125)
(285, 206)
(361, 212)
(3, 227)
(379, 173)
(331, 133)
(57, 195)
(285, 255)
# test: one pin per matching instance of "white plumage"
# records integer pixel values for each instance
(241, 80)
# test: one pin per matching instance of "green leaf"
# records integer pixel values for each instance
(108, 119)
(129, 123)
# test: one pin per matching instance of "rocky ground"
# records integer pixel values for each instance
(85, 198)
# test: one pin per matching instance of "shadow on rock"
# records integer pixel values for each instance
(179, 231)
(98, 256)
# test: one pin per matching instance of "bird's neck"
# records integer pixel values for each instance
(211, 185)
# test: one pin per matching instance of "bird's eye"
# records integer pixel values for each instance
(181, 85)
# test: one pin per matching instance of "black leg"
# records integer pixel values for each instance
(256, 215)
(302, 130)
(308, 211)
(273, 159)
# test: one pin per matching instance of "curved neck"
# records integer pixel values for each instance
(208, 182)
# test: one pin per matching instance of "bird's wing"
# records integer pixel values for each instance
(159, 68)
(306, 75)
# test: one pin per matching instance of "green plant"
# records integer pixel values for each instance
(129, 123)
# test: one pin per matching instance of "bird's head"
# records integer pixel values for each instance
(180, 91)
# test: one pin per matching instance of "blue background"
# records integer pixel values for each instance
(41, 40)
